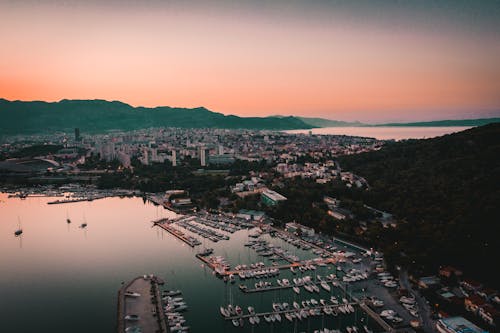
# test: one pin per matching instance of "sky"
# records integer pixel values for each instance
(372, 61)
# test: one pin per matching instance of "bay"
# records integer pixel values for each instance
(58, 277)
(386, 132)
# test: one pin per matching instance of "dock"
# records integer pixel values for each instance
(147, 306)
(292, 310)
(256, 290)
(189, 240)
(375, 316)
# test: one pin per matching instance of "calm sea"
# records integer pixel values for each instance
(386, 133)
(61, 278)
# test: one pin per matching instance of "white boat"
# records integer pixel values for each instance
(325, 286)
(296, 305)
(296, 290)
(224, 312)
(267, 318)
(132, 317)
(132, 294)
(278, 317)
(288, 316)
(236, 322)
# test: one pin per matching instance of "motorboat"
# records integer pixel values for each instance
(132, 317)
(132, 294)
(296, 290)
(325, 286)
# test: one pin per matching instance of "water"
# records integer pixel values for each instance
(386, 133)
(58, 277)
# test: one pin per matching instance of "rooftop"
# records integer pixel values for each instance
(461, 325)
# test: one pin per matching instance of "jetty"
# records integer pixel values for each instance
(140, 305)
(167, 226)
(291, 310)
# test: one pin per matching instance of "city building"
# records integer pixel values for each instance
(457, 325)
(271, 198)
(295, 227)
(204, 155)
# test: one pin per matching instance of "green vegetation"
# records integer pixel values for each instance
(446, 191)
(94, 116)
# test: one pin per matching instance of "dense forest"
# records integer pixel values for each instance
(446, 191)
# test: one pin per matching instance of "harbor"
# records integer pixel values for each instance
(244, 269)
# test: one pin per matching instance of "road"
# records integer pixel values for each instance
(425, 312)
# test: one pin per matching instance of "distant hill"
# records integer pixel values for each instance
(447, 189)
(94, 116)
(321, 122)
(445, 123)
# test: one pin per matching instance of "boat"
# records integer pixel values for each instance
(132, 317)
(236, 322)
(256, 319)
(238, 310)
(132, 294)
(251, 320)
(224, 312)
(278, 317)
(251, 310)
(296, 305)
(206, 252)
(172, 293)
(296, 290)
(19, 230)
(277, 307)
(267, 318)
(325, 286)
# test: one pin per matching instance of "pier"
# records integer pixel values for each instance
(256, 290)
(189, 240)
(280, 267)
(292, 310)
(146, 305)
(375, 316)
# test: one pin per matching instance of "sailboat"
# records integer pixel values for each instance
(19, 231)
(84, 224)
(67, 218)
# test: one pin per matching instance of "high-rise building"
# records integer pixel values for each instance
(174, 158)
(204, 153)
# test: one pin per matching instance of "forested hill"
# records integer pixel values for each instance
(93, 116)
(448, 190)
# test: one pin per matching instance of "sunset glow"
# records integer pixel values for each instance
(340, 61)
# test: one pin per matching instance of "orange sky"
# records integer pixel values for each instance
(249, 62)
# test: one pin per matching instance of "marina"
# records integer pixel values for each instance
(224, 272)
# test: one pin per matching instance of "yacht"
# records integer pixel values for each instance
(296, 290)
(132, 294)
(224, 312)
(132, 317)
(325, 286)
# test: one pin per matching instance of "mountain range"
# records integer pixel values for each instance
(94, 116)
